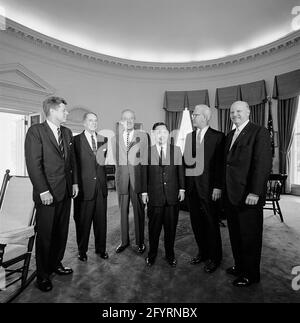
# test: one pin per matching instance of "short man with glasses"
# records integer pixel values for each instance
(52, 170)
(204, 161)
(91, 204)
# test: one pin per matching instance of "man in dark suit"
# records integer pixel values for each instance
(129, 147)
(52, 169)
(164, 189)
(248, 163)
(91, 204)
(203, 186)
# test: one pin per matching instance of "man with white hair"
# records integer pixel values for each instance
(203, 187)
(248, 163)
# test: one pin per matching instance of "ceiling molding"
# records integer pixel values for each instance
(22, 32)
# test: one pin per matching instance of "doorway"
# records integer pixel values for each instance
(12, 138)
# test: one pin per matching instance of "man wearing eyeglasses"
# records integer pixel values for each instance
(204, 161)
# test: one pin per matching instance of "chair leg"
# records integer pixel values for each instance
(279, 211)
(27, 261)
(274, 207)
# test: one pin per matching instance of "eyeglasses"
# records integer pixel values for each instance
(195, 115)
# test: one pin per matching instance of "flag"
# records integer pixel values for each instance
(271, 129)
(185, 128)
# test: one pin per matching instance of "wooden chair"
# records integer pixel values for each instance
(275, 187)
(17, 234)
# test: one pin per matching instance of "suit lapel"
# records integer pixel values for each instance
(242, 134)
(51, 136)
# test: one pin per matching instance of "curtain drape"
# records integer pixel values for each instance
(286, 91)
(258, 113)
(287, 112)
(176, 101)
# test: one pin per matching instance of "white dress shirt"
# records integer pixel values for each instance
(53, 127)
(203, 132)
(89, 138)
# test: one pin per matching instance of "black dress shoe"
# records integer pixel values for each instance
(103, 255)
(234, 271)
(149, 261)
(44, 285)
(141, 248)
(172, 262)
(244, 282)
(211, 267)
(61, 270)
(197, 260)
(121, 248)
(82, 256)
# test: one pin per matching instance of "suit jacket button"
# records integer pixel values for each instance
(165, 183)
(95, 178)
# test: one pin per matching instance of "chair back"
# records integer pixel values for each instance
(17, 203)
(276, 183)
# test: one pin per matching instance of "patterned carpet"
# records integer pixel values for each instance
(125, 278)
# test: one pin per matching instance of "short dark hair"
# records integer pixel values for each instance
(87, 113)
(157, 124)
(52, 103)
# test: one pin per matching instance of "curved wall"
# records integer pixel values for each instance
(107, 88)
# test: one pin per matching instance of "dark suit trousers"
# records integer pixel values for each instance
(206, 228)
(138, 213)
(87, 213)
(167, 217)
(52, 225)
(245, 225)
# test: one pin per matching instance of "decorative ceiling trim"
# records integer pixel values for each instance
(22, 32)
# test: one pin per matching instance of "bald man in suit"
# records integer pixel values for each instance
(248, 163)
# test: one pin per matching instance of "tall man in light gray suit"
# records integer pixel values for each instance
(129, 147)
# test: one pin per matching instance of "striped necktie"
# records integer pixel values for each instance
(127, 141)
(94, 145)
(60, 143)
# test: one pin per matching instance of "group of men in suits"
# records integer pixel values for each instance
(212, 167)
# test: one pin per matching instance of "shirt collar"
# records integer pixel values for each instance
(90, 134)
(52, 126)
(203, 131)
(242, 126)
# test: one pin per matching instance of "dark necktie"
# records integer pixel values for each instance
(60, 143)
(161, 156)
(94, 145)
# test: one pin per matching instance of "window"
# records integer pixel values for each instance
(295, 152)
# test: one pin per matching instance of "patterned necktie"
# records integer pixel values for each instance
(236, 134)
(127, 141)
(60, 143)
(94, 145)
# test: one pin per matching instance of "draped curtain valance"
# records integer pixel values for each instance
(177, 101)
(254, 93)
(287, 86)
